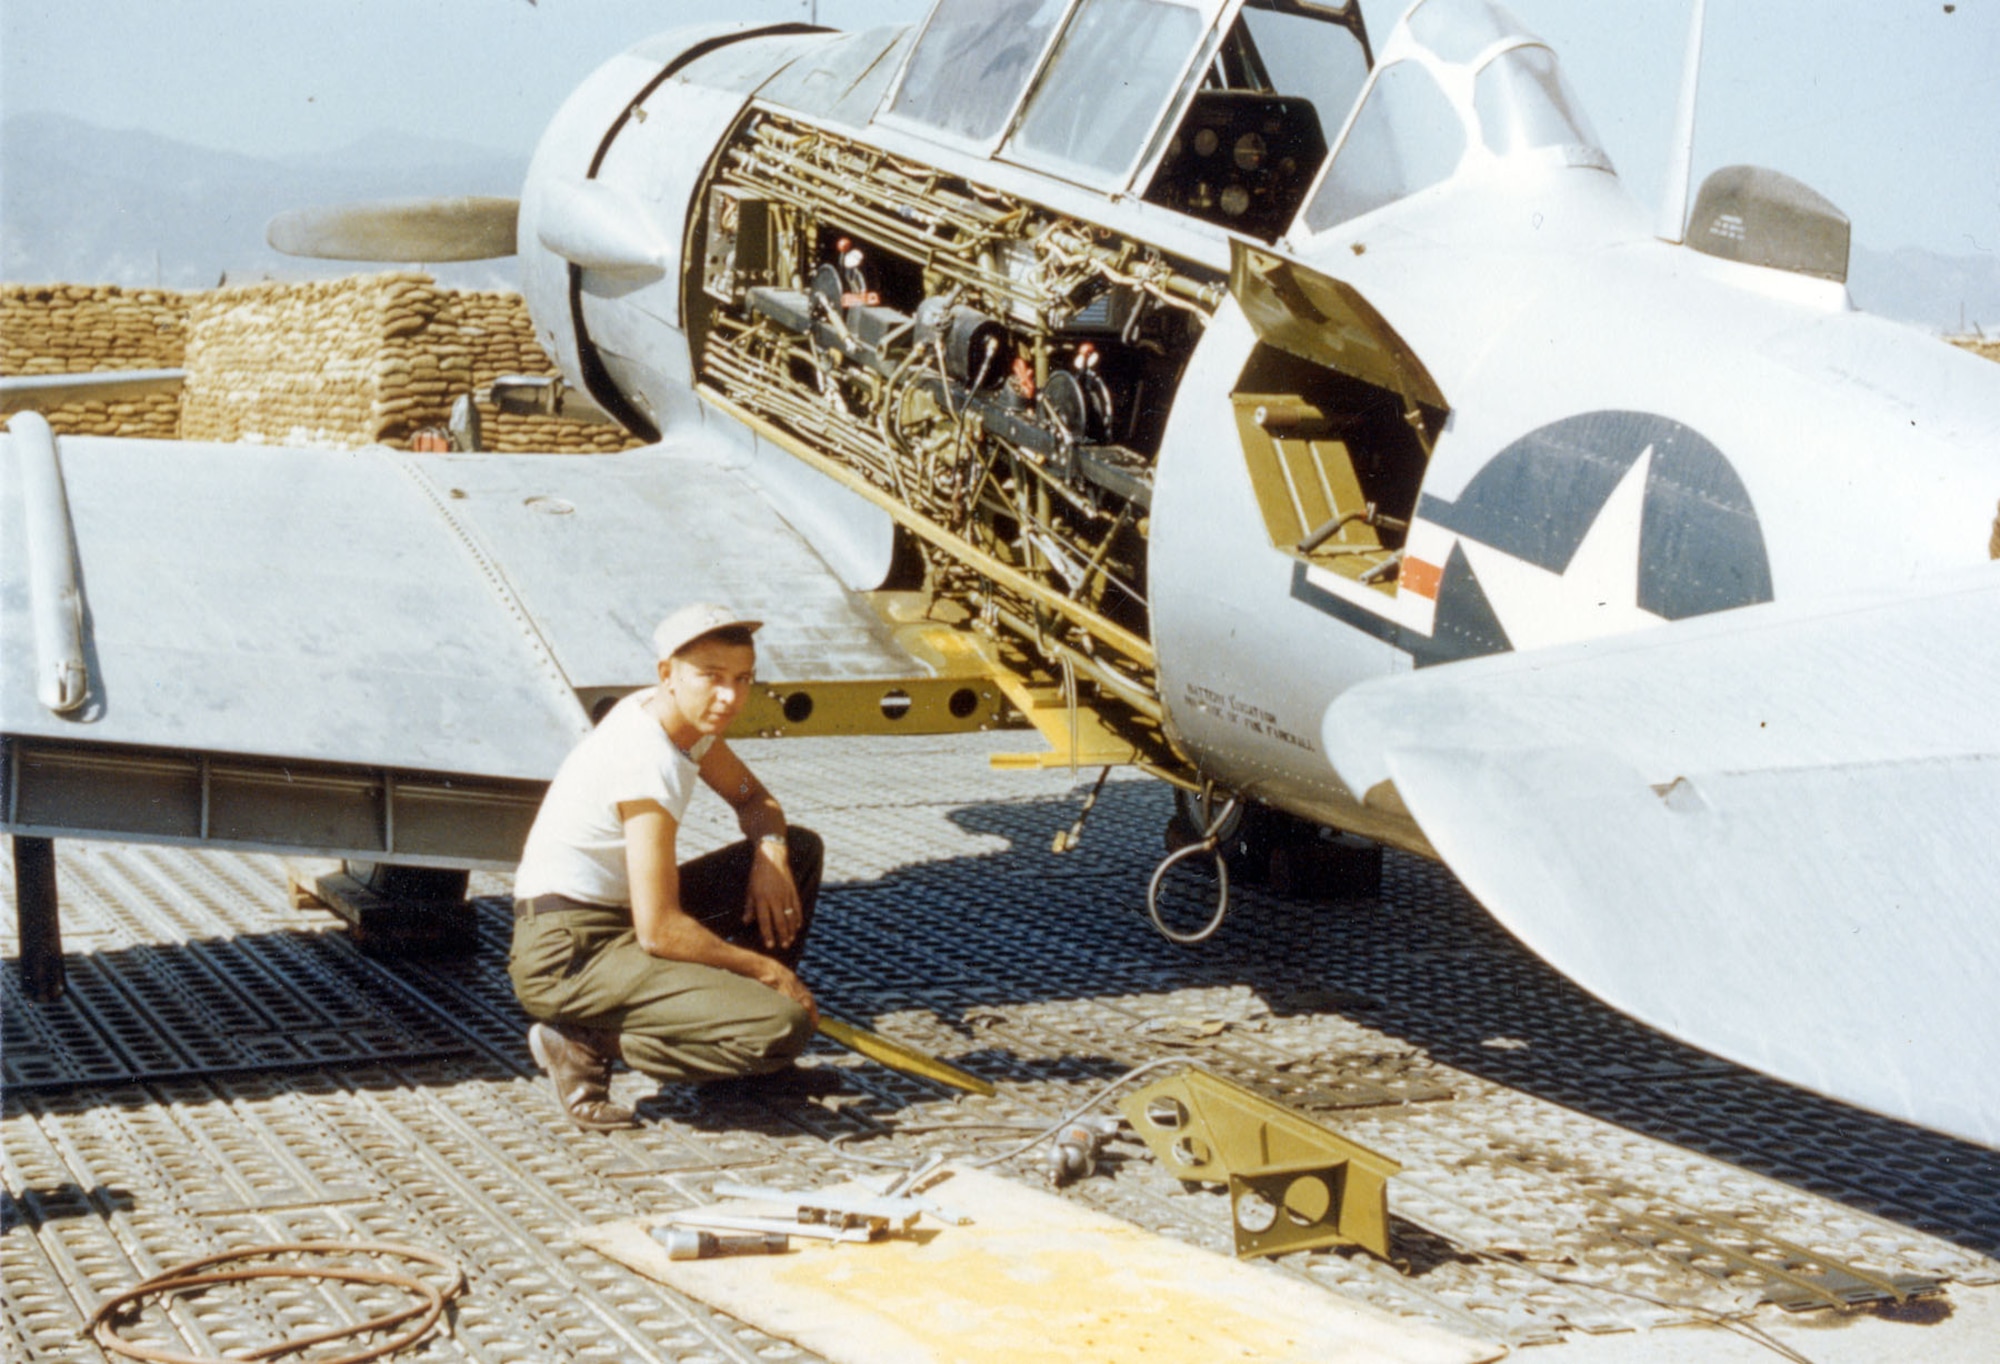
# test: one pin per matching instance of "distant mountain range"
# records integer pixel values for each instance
(89, 205)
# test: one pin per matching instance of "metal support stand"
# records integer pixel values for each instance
(35, 903)
(1293, 1184)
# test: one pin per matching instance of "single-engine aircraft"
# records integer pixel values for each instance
(1320, 425)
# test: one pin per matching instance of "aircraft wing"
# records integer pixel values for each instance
(1773, 833)
(367, 652)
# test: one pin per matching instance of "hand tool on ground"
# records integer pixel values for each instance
(912, 1180)
(1074, 1154)
(828, 1207)
(898, 1057)
(691, 1243)
(707, 1219)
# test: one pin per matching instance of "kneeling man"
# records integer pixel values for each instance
(686, 972)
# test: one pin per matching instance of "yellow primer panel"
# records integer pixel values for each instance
(1035, 1277)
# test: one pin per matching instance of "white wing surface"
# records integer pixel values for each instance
(1773, 833)
(348, 651)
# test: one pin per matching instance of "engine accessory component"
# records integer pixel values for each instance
(974, 345)
(1293, 1183)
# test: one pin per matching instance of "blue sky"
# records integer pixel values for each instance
(1891, 108)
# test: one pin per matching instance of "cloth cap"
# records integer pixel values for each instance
(693, 621)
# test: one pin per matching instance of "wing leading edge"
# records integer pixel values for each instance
(1773, 833)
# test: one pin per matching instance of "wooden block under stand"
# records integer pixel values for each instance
(301, 875)
(395, 914)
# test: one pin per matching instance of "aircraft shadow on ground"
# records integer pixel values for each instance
(979, 950)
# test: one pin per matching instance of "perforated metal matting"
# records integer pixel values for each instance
(228, 1071)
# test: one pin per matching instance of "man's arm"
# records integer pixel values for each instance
(773, 899)
(666, 930)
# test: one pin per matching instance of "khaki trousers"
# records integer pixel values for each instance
(582, 964)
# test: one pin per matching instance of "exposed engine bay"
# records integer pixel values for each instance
(1000, 371)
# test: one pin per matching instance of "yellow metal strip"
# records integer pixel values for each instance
(898, 1057)
(1117, 636)
(1045, 708)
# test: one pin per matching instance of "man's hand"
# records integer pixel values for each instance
(781, 978)
(773, 899)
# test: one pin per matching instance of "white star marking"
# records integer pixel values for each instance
(1599, 593)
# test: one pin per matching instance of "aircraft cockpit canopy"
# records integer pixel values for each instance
(1220, 109)
(966, 74)
(1460, 82)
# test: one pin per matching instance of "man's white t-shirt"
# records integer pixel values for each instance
(577, 845)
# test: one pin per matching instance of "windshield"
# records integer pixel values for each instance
(1461, 82)
(972, 62)
(1524, 102)
(1119, 63)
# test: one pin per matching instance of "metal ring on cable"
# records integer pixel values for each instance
(1209, 843)
(199, 1274)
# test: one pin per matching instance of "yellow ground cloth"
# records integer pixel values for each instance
(1035, 1277)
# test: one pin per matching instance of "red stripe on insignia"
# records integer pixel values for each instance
(1421, 578)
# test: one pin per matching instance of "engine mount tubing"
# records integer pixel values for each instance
(1129, 690)
(1116, 636)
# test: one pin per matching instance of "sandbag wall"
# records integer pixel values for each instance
(81, 328)
(495, 328)
(364, 359)
(336, 363)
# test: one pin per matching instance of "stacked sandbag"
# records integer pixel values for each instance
(497, 332)
(1979, 345)
(334, 363)
(85, 328)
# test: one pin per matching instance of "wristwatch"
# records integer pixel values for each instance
(774, 841)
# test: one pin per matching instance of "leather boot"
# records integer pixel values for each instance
(579, 1061)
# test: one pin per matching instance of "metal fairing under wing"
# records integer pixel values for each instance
(1723, 828)
(375, 654)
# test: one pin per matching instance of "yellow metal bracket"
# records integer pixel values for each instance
(1076, 736)
(1293, 1184)
(912, 705)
